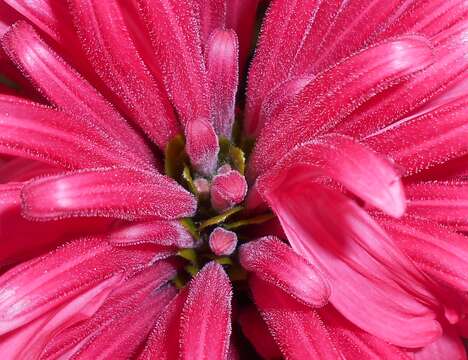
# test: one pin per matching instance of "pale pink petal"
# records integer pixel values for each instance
(109, 46)
(373, 284)
(158, 232)
(425, 140)
(31, 289)
(286, 24)
(359, 169)
(212, 15)
(109, 192)
(222, 242)
(178, 46)
(120, 326)
(202, 145)
(449, 346)
(334, 94)
(297, 329)
(443, 201)
(256, 331)
(355, 344)
(37, 132)
(164, 342)
(275, 262)
(223, 76)
(227, 190)
(65, 88)
(206, 316)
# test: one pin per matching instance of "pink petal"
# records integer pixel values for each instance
(449, 346)
(359, 169)
(206, 316)
(20, 169)
(426, 140)
(282, 35)
(41, 133)
(256, 331)
(178, 45)
(240, 16)
(202, 145)
(222, 242)
(355, 344)
(158, 232)
(438, 251)
(223, 76)
(65, 88)
(275, 262)
(109, 192)
(212, 16)
(8, 16)
(33, 288)
(21, 239)
(345, 87)
(29, 340)
(227, 190)
(120, 326)
(110, 48)
(373, 284)
(297, 329)
(444, 201)
(163, 342)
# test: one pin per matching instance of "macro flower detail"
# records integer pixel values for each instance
(169, 191)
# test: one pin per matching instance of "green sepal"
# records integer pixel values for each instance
(252, 221)
(215, 220)
(188, 254)
(175, 157)
(187, 176)
(224, 260)
(190, 226)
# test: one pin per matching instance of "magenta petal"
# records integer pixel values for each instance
(212, 16)
(273, 261)
(105, 37)
(443, 201)
(359, 169)
(158, 232)
(109, 192)
(178, 46)
(202, 145)
(35, 131)
(120, 326)
(206, 316)
(65, 88)
(223, 75)
(297, 329)
(373, 284)
(449, 346)
(31, 289)
(345, 87)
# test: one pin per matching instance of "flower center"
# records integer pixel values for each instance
(222, 222)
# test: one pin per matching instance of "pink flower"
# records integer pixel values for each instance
(150, 210)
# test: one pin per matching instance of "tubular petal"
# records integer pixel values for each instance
(108, 192)
(202, 145)
(212, 16)
(65, 88)
(297, 329)
(373, 284)
(158, 232)
(178, 44)
(419, 142)
(206, 316)
(223, 76)
(276, 263)
(107, 41)
(31, 289)
(359, 169)
(286, 24)
(121, 324)
(443, 201)
(335, 93)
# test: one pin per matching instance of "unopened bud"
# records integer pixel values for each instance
(223, 242)
(227, 190)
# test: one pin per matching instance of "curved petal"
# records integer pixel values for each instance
(109, 46)
(109, 192)
(359, 169)
(373, 284)
(297, 329)
(334, 94)
(276, 263)
(212, 15)
(206, 316)
(449, 346)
